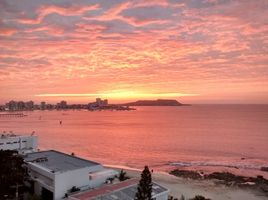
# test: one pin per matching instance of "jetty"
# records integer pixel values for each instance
(12, 115)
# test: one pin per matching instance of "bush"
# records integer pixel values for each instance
(199, 197)
(74, 189)
(122, 176)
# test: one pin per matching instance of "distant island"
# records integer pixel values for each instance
(158, 102)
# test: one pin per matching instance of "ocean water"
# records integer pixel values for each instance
(199, 135)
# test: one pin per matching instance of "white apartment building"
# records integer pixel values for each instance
(21, 143)
(55, 173)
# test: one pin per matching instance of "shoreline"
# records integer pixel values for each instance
(189, 187)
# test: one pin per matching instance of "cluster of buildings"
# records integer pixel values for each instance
(18, 105)
(58, 175)
(99, 104)
(29, 105)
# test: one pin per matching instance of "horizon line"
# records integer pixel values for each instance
(117, 95)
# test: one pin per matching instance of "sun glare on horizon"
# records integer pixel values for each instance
(122, 95)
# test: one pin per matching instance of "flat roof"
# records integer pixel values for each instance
(12, 135)
(124, 190)
(56, 161)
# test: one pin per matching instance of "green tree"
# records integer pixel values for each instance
(122, 176)
(12, 172)
(145, 185)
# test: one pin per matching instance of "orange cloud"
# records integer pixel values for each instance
(138, 49)
(43, 11)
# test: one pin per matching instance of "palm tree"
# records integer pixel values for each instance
(122, 176)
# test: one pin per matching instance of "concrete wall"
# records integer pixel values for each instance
(42, 178)
(78, 178)
(60, 182)
(39, 170)
(162, 196)
(37, 188)
(100, 178)
(32, 142)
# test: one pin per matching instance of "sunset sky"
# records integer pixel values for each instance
(195, 51)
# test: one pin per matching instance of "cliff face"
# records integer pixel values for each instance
(158, 102)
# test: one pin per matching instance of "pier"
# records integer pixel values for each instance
(12, 115)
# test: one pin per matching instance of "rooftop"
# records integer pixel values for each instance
(12, 135)
(56, 161)
(124, 190)
(4, 136)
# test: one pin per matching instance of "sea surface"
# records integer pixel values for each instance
(199, 135)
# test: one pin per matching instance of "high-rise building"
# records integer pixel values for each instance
(98, 101)
(105, 102)
(43, 105)
(12, 105)
(29, 105)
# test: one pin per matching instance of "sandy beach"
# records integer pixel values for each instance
(189, 188)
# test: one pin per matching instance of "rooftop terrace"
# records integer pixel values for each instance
(55, 161)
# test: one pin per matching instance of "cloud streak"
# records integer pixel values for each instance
(121, 95)
(182, 46)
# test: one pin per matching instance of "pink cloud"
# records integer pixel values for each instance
(43, 11)
(7, 31)
(184, 47)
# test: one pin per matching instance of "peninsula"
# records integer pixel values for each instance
(158, 102)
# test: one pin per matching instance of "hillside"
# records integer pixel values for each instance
(158, 102)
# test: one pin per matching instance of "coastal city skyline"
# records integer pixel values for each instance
(197, 51)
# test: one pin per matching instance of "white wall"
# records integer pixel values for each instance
(78, 178)
(60, 182)
(41, 177)
(162, 196)
(100, 177)
(18, 143)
